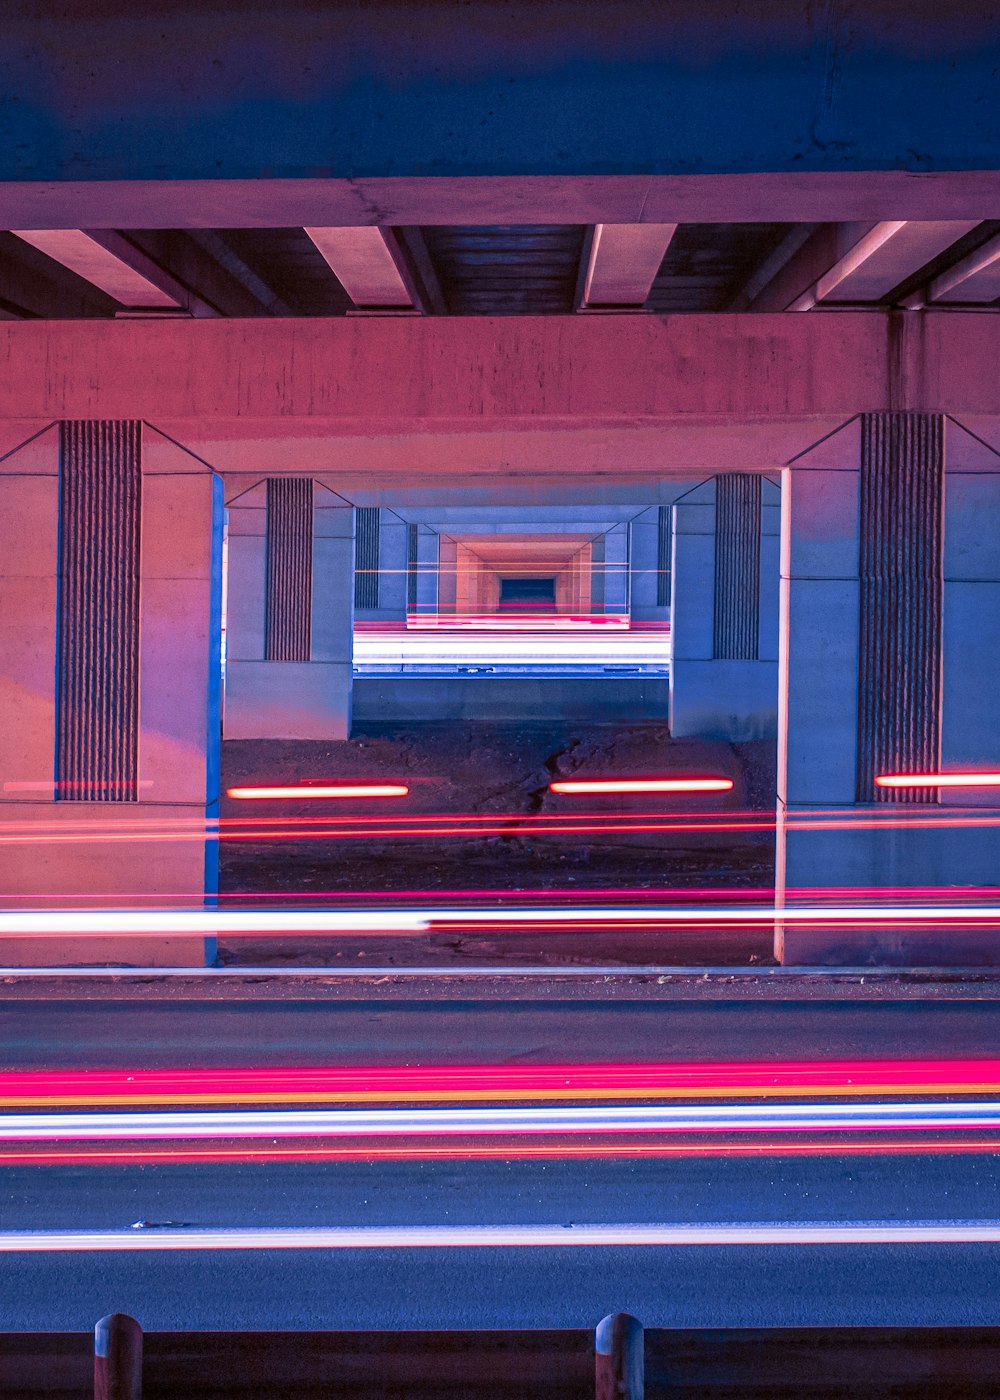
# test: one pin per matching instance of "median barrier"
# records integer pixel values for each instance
(118, 1358)
(619, 1360)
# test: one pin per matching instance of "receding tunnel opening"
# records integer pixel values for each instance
(502, 659)
(528, 594)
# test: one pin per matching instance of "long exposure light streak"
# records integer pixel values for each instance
(470, 825)
(491, 1121)
(602, 785)
(512, 622)
(937, 780)
(546, 1236)
(448, 1083)
(319, 790)
(410, 921)
(509, 1150)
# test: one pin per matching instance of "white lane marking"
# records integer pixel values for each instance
(477, 1236)
(181, 1125)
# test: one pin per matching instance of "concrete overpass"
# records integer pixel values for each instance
(432, 256)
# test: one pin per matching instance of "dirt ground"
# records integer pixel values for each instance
(480, 824)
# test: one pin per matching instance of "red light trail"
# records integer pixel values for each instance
(937, 780)
(320, 790)
(601, 785)
(497, 1083)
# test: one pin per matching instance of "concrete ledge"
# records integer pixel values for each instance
(734, 700)
(589, 700)
(287, 700)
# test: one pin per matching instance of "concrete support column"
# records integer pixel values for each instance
(649, 565)
(724, 582)
(890, 585)
(616, 569)
(448, 568)
(110, 676)
(392, 567)
(291, 612)
(424, 567)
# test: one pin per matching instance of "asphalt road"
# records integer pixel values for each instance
(178, 1033)
(502, 1286)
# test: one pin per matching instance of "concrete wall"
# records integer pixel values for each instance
(582, 700)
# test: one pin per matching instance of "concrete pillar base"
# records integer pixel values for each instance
(85, 951)
(288, 700)
(885, 849)
(93, 855)
(732, 700)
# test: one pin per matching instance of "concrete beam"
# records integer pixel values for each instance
(296, 202)
(622, 261)
(205, 269)
(114, 267)
(542, 372)
(31, 285)
(366, 263)
(856, 263)
(888, 255)
(974, 279)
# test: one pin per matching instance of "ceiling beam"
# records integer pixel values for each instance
(32, 285)
(368, 264)
(206, 271)
(973, 280)
(775, 262)
(418, 270)
(622, 261)
(852, 264)
(109, 261)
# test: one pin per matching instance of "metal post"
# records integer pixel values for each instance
(619, 1365)
(118, 1358)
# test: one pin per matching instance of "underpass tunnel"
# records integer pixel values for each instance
(498, 649)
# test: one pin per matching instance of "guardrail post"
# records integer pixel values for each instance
(118, 1358)
(619, 1365)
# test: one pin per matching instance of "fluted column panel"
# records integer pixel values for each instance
(663, 557)
(97, 701)
(289, 555)
(366, 556)
(901, 567)
(736, 619)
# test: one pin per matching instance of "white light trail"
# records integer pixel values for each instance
(60, 922)
(547, 1236)
(500, 649)
(170, 1126)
